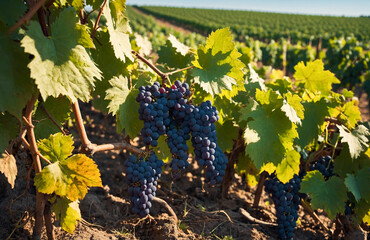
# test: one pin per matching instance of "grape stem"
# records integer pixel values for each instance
(26, 18)
(250, 218)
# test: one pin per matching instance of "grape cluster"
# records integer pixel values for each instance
(167, 111)
(325, 165)
(286, 199)
(154, 112)
(142, 179)
(204, 139)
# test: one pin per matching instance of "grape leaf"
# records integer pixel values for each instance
(226, 133)
(329, 195)
(123, 104)
(293, 108)
(270, 129)
(217, 64)
(361, 212)
(174, 54)
(77, 4)
(281, 85)
(314, 78)
(119, 29)
(314, 117)
(57, 147)
(68, 212)
(351, 114)
(9, 130)
(110, 66)
(144, 44)
(16, 87)
(61, 65)
(245, 166)
(162, 150)
(356, 139)
(69, 178)
(94, 3)
(289, 166)
(359, 184)
(254, 78)
(11, 11)
(44, 126)
(8, 167)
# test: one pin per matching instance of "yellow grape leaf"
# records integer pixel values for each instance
(8, 167)
(314, 77)
(289, 166)
(57, 147)
(69, 178)
(68, 212)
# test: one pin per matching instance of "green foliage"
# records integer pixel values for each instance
(68, 212)
(217, 64)
(123, 104)
(330, 195)
(15, 83)
(174, 54)
(56, 148)
(62, 66)
(9, 130)
(356, 140)
(358, 185)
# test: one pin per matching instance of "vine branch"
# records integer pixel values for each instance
(26, 18)
(258, 193)
(164, 204)
(52, 119)
(154, 68)
(252, 219)
(90, 148)
(98, 19)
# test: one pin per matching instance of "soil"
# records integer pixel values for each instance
(201, 212)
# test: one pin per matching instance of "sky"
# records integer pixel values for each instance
(316, 7)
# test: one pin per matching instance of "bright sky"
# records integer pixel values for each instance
(321, 7)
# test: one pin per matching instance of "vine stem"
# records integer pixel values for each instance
(165, 205)
(310, 211)
(249, 217)
(98, 19)
(179, 70)
(90, 148)
(26, 18)
(154, 68)
(52, 119)
(41, 199)
(261, 181)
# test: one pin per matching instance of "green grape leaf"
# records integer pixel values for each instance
(351, 114)
(344, 164)
(11, 11)
(270, 129)
(293, 108)
(110, 66)
(123, 104)
(226, 133)
(94, 3)
(359, 184)
(174, 54)
(9, 130)
(281, 85)
(314, 77)
(62, 66)
(69, 178)
(314, 117)
(144, 44)
(255, 79)
(57, 147)
(43, 125)
(68, 212)
(329, 195)
(356, 140)
(77, 4)
(16, 87)
(119, 30)
(217, 64)
(162, 150)
(361, 212)
(8, 167)
(289, 166)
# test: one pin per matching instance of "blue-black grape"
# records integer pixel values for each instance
(325, 165)
(286, 199)
(142, 177)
